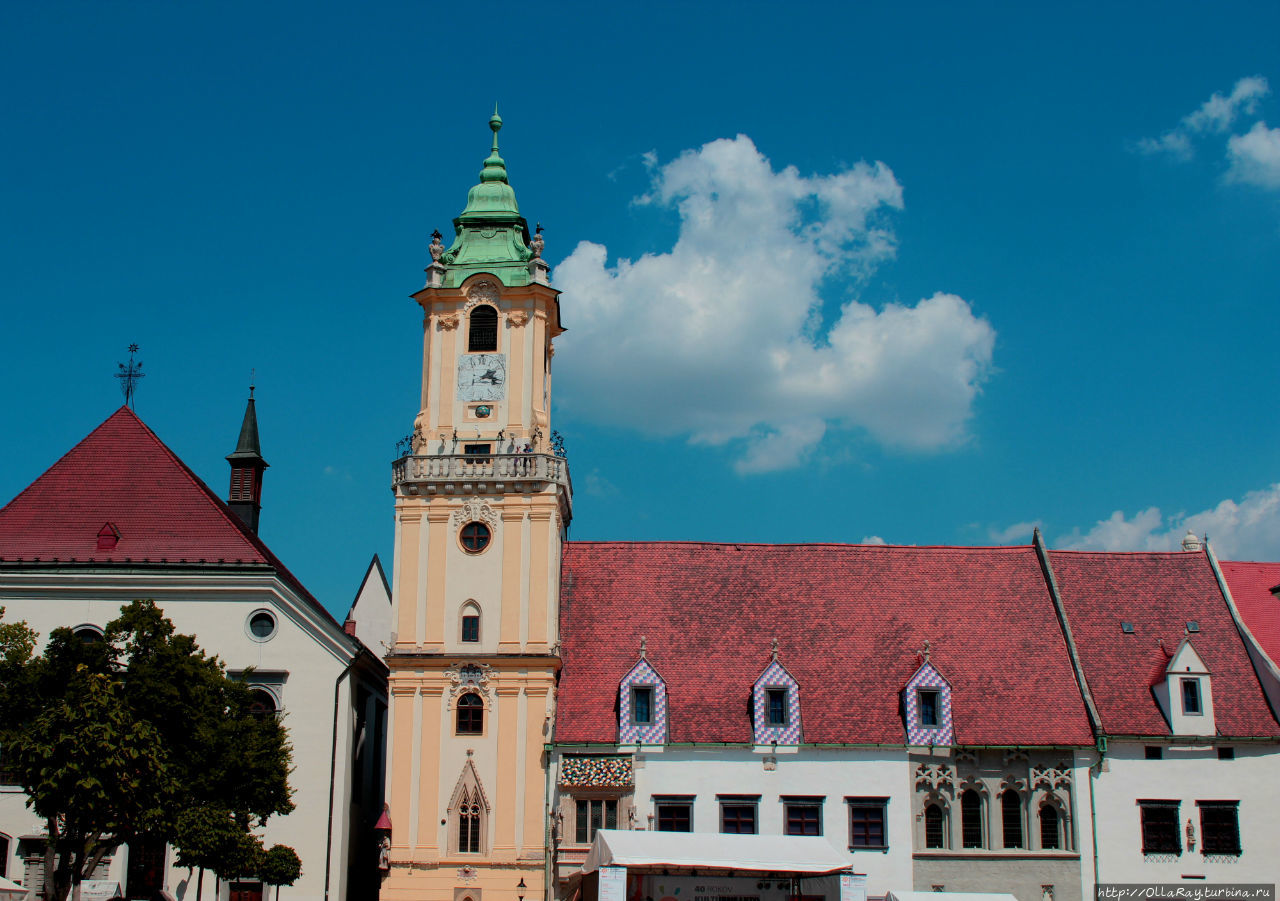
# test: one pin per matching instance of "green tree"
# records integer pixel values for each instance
(280, 866)
(112, 739)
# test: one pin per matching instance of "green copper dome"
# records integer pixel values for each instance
(490, 235)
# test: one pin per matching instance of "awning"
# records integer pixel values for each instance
(713, 850)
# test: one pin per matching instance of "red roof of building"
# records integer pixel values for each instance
(1251, 585)
(121, 475)
(1159, 593)
(850, 623)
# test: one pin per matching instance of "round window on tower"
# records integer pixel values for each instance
(261, 625)
(475, 537)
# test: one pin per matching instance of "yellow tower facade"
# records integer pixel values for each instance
(482, 501)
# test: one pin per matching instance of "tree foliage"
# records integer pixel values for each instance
(279, 866)
(141, 734)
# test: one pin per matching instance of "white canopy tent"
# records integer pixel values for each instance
(9, 890)
(948, 896)
(708, 850)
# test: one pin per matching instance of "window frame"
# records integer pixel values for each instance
(739, 803)
(648, 692)
(475, 338)
(474, 714)
(868, 804)
(1235, 849)
(943, 844)
(475, 537)
(772, 693)
(470, 627)
(1189, 689)
(672, 803)
(1151, 826)
(976, 826)
(1007, 823)
(796, 808)
(587, 826)
(1056, 818)
(935, 707)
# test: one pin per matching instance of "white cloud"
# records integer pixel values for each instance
(1255, 157)
(872, 539)
(1248, 529)
(1018, 532)
(722, 337)
(1215, 116)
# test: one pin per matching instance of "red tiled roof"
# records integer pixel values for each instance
(1251, 585)
(122, 474)
(1159, 593)
(850, 622)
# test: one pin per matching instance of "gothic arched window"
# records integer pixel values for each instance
(483, 331)
(470, 714)
(971, 819)
(1011, 818)
(1050, 832)
(469, 819)
(934, 833)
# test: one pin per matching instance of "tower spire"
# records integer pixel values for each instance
(245, 495)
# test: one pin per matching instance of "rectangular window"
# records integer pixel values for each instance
(867, 822)
(674, 814)
(1160, 827)
(1226, 753)
(928, 707)
(471, 628)
(776, 704)
(1154, 752)
(1191, 697)
(738, 814)
(1219, 827)
(802, 816)
(478, 452)
(642, 704)
(594, 814)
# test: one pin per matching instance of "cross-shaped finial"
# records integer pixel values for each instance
(644, 649)
(252, 378)
(129, 375)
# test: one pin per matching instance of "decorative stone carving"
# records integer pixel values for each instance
(1015, 755)
(447, 322)
(517, 317)
(435, 248)
(537, 243)
(967, 758)
(475, 511)
(468, 677)
(1049, 778)
(483, 291)
(935, 776)
(1013, 782)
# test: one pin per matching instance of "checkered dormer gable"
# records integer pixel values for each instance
(642, 675)
(927, 677)
(775, 676)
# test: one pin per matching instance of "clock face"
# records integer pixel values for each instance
(482, 377)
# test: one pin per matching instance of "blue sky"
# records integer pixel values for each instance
(919, 274)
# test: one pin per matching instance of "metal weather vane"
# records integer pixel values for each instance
(129, 375)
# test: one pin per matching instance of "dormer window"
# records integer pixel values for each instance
(1191, 697)
(776, 700)
(775, 707)
(928, 707)
(642, 705)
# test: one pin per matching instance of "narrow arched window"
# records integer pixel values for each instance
(1011, 818)
(971, 819)
(470, 714)
(469, 825)
(934, 837)
(483, 331)
(1050, 833)
(470, 622)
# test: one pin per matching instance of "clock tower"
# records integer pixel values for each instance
(482, 500)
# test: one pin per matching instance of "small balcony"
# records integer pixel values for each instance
(468, 474)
